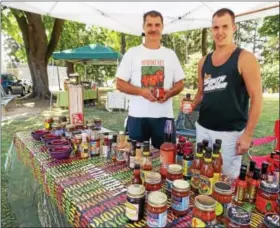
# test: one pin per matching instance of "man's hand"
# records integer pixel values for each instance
(243, 144)
(147, 94)
(166, 96)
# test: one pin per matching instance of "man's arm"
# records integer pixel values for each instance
(126, 87)
(176, 89)
(250, 71)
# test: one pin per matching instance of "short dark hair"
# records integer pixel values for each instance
(152, 13)
(223, 11)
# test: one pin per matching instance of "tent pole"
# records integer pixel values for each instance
(256, 11)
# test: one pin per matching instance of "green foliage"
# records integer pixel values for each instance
(270, 76)
(190, 70)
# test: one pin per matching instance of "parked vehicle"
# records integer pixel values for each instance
(13, 86)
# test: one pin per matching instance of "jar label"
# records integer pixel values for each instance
(94, 150)
(47, 126)
(132, 160)
(180, 203)
(132, 211)
(205, 185)
(105, 151)
(265, 205)
(169, 185)
(187, 168)
(156, 220)
(179, 160)
(195, 178)
(167, 158)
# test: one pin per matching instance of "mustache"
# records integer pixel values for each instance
(153, 33)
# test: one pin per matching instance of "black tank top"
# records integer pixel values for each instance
(225, 99)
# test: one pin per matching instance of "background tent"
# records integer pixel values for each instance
(93, 53)
(127, 17)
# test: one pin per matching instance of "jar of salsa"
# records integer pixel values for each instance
(174, 172)
(204, 211)
(223, 194)
(135, 203)
(180, 197)
(152, 182)
(266, 197)
(238, 217)
(157, 209)
(271, 220)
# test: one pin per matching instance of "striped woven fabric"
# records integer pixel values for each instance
(88, 191)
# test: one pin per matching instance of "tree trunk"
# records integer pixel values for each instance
(123, 43)
(38, 49)
(204, 41)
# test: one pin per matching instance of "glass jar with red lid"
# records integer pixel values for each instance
(238, 217)
(267, 196)
(180, 197)
(157, 209)
(223, 194)
(152, 181)
(204, 211)
(174, 172)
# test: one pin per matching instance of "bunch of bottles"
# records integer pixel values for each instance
(259, 186)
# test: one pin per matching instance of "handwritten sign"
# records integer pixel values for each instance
(76, 104)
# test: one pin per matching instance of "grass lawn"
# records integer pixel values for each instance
(113, 121)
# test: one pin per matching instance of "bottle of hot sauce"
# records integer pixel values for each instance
(264, 171)
(253, 186)
(241, 186)
(206, 174)
(136, 175)
(251, 171)
(195, 168)
(217, 162)
(205, 144)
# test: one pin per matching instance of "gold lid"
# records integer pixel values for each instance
(205, 203)
(174, 169)
(152, 177)
(157, 199)
(136, 191)
(181, 185)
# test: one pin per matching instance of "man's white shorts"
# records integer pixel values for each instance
(231, 161)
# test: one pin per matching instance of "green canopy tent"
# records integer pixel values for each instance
(95, 54)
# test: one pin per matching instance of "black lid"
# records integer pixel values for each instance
(242, 175)
(126, 133)
(208, 149)
(218, 141)
(208, 153)
(264, 167)
(188, 95)
(239, 216)
(252, 166)
(106, 133)
(216, 147)
(271, 220)
(256, 174)
(138, 145)
(199, 147)
(137, 166)
(205, 142)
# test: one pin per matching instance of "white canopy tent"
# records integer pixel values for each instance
(127, 17)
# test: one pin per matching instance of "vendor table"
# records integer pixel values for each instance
(77, 191)
(62, 97)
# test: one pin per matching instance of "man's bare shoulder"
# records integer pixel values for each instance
(247, 55)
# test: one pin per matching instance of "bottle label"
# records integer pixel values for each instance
(121, 156)
(105, 151)
(169, 184)
(216, 177)
(205, 185)
(195, 178)
(252, 192)
(187, 107)
(156, 220)
(132, 160)
(240, 194)
(265, 205)
(179, 160)
(47, 126)
(93, 148)
(132, 211)
(187, 168)
(180, 203)
(167, 158)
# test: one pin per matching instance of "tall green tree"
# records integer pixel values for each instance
(37, 44)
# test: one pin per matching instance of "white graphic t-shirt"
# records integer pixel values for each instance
(150, 68)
